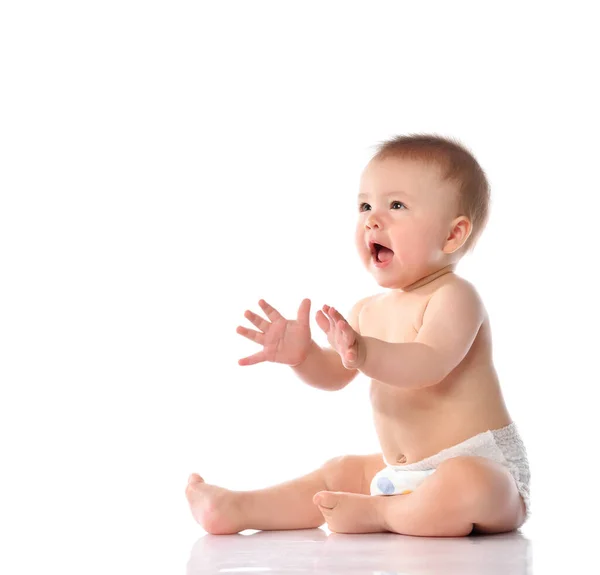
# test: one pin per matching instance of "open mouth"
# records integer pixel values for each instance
(380, 253)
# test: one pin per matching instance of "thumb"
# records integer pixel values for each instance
(304, 312)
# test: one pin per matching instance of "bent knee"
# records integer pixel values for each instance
(344, 473)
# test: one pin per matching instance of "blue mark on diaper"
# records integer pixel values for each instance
(385, 486)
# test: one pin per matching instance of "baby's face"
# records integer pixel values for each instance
(404, 206)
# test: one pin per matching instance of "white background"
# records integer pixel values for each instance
(163, 165)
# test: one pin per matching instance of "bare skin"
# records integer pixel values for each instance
(468, 401)
(412, 421)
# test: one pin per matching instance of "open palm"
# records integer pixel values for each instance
(341, 336)
(284, 341)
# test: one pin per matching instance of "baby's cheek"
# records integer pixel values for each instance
(359, 240)
(411, 250)
(363, 253)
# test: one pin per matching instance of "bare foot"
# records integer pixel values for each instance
(215, 508)
(350, 512)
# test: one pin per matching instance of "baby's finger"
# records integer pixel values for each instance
(323, 322)
(251, 334)
(252, 359)
(339, 334)
(304, 312)
(271, 312)
(335, 314)
(258, 321)
(348, 333)
(349, 360)
(327, 313)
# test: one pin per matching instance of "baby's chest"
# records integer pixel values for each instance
(394, 323)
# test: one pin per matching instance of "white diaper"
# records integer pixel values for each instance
(504, 446)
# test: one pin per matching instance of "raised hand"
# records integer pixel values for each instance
(347, 342)
(284, 341)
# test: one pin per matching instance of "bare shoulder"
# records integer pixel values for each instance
(457, 292)
(354, 315)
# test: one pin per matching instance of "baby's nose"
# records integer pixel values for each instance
(372, 222)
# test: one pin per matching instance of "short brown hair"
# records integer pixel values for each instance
(457, 164)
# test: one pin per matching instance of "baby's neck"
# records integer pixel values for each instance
(430, 277)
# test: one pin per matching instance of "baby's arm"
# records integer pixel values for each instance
(323, 367)
(451, 321)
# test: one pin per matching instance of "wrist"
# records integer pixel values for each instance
(312, 348)
(361, 352)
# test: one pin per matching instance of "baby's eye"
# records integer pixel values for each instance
(363, 207)
(397, 204)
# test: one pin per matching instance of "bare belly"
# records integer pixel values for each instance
(413, 425)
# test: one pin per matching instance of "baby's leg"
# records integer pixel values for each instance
(288, 505)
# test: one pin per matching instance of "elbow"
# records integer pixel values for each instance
(337, 387)
(429, 382)
(420, 380)
(423, 381)
(344, 381)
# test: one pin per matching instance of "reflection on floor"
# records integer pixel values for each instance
(320, 551)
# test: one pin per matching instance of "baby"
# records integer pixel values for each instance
(452, 461)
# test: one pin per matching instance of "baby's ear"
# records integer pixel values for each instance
(460, 230)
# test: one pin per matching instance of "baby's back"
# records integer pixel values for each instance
(416, 423)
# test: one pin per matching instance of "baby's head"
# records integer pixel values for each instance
(424, 198)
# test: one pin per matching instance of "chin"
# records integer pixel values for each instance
(384, 281)
(386, 285)
(389, 284)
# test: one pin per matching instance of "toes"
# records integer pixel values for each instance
(195, 478)
(191, 489)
